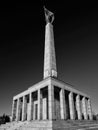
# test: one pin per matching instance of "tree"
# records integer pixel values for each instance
(4, 119)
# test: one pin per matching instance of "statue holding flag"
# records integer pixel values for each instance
(49, 16)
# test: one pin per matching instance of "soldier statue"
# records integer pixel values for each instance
(49, 16)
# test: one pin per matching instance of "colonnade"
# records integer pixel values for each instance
(49, 103)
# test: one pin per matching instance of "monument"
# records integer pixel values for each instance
(49, 104)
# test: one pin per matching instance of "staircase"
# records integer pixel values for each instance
(50, 125)
(74, 125)
(13, 125)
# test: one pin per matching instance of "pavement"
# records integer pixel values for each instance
(90, 128)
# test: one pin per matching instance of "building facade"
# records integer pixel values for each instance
(51, 99)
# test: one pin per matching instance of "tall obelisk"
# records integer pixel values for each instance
(50, 69)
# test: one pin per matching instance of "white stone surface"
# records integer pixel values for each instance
(51, 102)
(49, 54)
(13, 110)
(30, 108)
(35, 110)
(51, 111)
(62, 104)
(78, 106)
(39, 105)
(46, 82)
(84, 107)
(24, 108)
(18, 110)
(71, 106)
(44, 111)
(89, 109)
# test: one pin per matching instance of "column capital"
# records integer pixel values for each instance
(78, 96)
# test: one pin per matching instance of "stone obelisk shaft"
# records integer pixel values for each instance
(50, 69)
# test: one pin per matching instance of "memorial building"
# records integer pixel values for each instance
(51, 100)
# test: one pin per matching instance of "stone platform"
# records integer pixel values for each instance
(51, 125)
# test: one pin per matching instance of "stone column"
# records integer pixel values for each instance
(71, 106)
(62, 103)
(41, 108)
(51, 102)
(84, 107)
(24, 107)
(90, 109)
(18, 110)
(13, 110)
(78, 106)
(30, 111)
(39, 105)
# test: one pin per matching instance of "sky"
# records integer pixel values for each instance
(22, 35)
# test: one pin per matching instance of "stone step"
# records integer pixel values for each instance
(12, 126)
(47, 125)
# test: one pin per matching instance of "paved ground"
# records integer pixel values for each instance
(90, 128)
